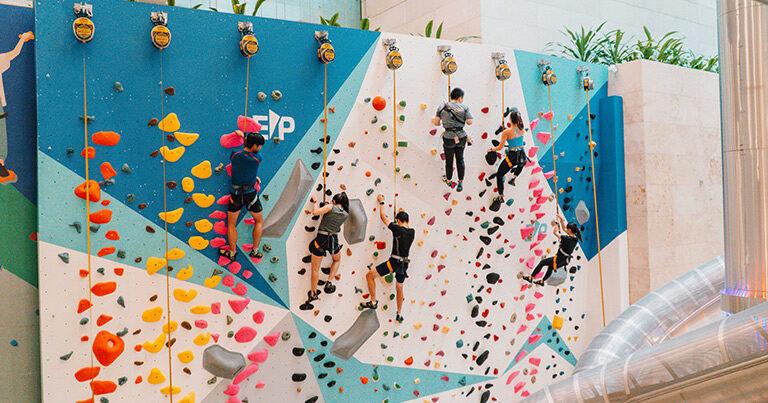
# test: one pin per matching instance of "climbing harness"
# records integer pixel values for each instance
(588, 85)
(394, 61)
(249, 46)
(325, 54)
(161, 39)
(83, 29)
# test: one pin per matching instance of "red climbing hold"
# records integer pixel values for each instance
(107, 347)
(103, 319)
(106, 251)
(112, 235)
(408, 361)
(104, 288)
(379, 103)
(105, 138)
(119, 271)
(87, 373)
(93, 188)
(91, 152)
(485, 109)
(102, 216)
(103, 387)
(83, 305)
(107, 171)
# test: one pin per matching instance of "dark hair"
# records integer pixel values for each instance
(574, 229)
(402, 216)
(516, 119)
(342, 200)
(457, 93)
(253, 139)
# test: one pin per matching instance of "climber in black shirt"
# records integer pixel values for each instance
(402, 238)
(568, 242)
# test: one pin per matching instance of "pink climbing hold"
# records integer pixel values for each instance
(218, 242)
(538, 192)
(245, 334)
(534, 123)
(228, 168)
(541, 200)
(244, 374)
(223, 260)
(240, 289)
(258, 317)
(522, 353)
(201, 324)
(247, 247)
(215, 337)
(232, 389)
(543, 137)
(549, 174)
(534, 338)
(259, 356)
(532, 151)
(519, 386)
(526, 232)
(538, 252)
(272, 338)
(216, 308)
(512, 376)
(247, 274)
(260, 385)
(234, 399)
(532, 184)
(535, 207)
(223, 200)
(529, 164)
(530, 262)
(537, 295)
(431, 221)
(249, 221)
(548, 115)
(541, 237)
(534, 361)
(218, 215)
(238, 305)
(529, 307)
(220, 227)
(536, 170)
(231, 140)
(235, 267)
(248, 125)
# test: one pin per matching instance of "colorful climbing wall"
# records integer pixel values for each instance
(141, 312)
(19, 333)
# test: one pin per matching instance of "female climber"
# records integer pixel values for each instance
(402, 238)
(514, 158)
(327, 240)
(454, 115)
(568, 242)
(245, 169)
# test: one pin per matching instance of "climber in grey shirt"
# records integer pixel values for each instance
(454, 115)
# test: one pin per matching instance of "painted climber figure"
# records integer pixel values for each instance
(514, 157)
(7, 175)
(333, 215)
(397, 264)
(245, 170)
(568, 241)
(454, 115)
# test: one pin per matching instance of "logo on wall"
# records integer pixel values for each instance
(273, 122)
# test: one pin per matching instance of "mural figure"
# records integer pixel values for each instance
(7, 175)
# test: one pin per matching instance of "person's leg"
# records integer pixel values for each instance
(539, 267)
(550, 270)
(315, 273)
(334, 267)
(400, 297)
(449, 152)
(370, 277)
(258, 226)
(4, 173)
(503, 169)
(459, 154)
(232, 231)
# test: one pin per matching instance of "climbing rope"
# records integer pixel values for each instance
(165, 223)
(449, 87)
(325, 127)
(503, 109)
(247, 79)
(590, 146)
(87, 204)
(554, 160)
(394, 128)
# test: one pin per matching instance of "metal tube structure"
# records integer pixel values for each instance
(743, 39)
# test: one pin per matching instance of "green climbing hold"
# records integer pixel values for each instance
(369, 192)
(121, 254)
(463, 381)
(66, 356)
(231, 334)
(499, 251)
(383, 127)
(118, 86)
(376, 181)
(402, 118)
(407, 176)
(510, 201)
(213, 380)
(100, 270)
(272, 277)
(84, 321)
(274, 259)
(121, 301)
(388, 278)
(390, 358)
(402, 104)
(122, 332)
(485, 225)
(385, 145)
(366, 100)
(402, 143)
(469, 297)
(122, 380)
(375, 120)
(103, 400)
(459, 343)
(285, 336)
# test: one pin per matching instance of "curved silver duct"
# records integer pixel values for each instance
(743, 31)
(655, 317)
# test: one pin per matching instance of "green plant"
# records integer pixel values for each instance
(466, 38)
(365, 25)
(259, 3)
(614, 49)
(332, 22)
(428, 30)
(237, 7)
(584, 44)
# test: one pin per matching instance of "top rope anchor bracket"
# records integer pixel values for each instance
(503, 72)
(448, 63)
(393, 58)
(160, 34)
(586, 81)
(325, 51)
(83, 27)
(249, 45)
(548, 76)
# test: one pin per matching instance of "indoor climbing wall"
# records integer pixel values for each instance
(136, 302)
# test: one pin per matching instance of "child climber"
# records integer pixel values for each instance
(397, 264)
(333, 215)
(245, 169)
(514, 157)
(454, 115)
(568, 242)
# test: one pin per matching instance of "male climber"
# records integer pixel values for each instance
(402, 238)
(7, 175)
(245, 169)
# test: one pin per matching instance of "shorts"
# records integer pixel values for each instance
(249, 200)
(393, 266)
(323, 244)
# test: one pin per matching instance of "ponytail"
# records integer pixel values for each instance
(516, 119)
(342, 200)
(575, 229)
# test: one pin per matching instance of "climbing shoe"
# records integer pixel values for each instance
(447, 181)
(496, 203)
(540, 282)
(369, 305)
(306, 306)
(255, 254)
(10, 178)
(399, 318)
(313, 296)
(512, 181)
(228, 254)
(460, 186)
(329, 288)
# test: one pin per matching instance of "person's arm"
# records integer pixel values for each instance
(502, 140)
(317, 210)
(25, 37)
(468, 117)
(436, 119)
(382, 214)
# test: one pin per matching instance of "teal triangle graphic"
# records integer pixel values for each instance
(543, 333)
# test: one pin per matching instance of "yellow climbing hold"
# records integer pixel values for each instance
(557, 322)
(186, 356)
(202, 200)
(173, 327)
(171, 217)
(175, 254)
(170, 123)
(186, 139)
(184, 295)
(170, 390)
(189, 398)
(200, 309)
(203, 225)
(152, 314)
(198, 242)
(172, 155)
(154, 264)
(185, 273)
(154, 346)
(188, 184)
(212, 282)
(202, 170)
(202, 339)
(155, 377)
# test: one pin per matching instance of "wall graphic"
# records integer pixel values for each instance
(472, 330)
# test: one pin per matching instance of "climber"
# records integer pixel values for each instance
(333, 215)
(245, 169)
(568, 242)
(514, 159)
(7, 175)
(453, 115)
(402, 238)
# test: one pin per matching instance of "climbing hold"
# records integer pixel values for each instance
(379, 103)
(107, 347)
(261, 96)
(102, 216)
(126, 169)
(258, 317)
(154, 346)
(187, 184)
(64, 256)
(170, 91)
(221, 362)
(87, 373)
(203, 225)
(152, 314)
(277, 95)
(175, 254)
(118, 86)
(107, 171)
(238, 305)
(212, 282)
(170, 327)
(184, 295)
(93, 189)
(171, 217)
(197, 242)
(172, 155)
(202, 170)
(272, 338)
(543, 137)
(105, 138)
(155, 376)
(582, 212)
(557, 322)
(245, 334)
(170, 123)
(90, 151)
(202, 200)
(103, 387)
(186, 356)
(154, 264)
(104, 288)
(185, 273)
(168, 390)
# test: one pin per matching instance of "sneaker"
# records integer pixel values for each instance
(447, 181)
(256, 254)
(460, 186)
(399, 318)
(313, 296)
(329, 288)
(369, 305)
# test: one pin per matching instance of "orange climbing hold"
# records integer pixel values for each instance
(107, 347)
(91, 152)
(408, 361)
(83, 273)
(108, 250)
(103, 387)
(107, 170)
(105, 138)
(102, 216)
(112, 235)
(83, 305)
(119, 271)
(104, 288)
(89, 400)
(87, 373)
(379, 103)
(103, 319)
(94, 189)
